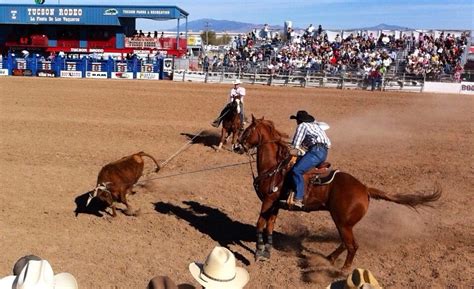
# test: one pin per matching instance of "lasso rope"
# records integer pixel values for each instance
(196, 171)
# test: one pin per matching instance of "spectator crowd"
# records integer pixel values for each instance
(357, 53)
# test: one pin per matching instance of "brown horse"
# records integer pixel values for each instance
(346, 198)
(231, 122)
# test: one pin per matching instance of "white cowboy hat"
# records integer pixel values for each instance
(219, 271)
(237, 81)
(323, 125)
(39, 275)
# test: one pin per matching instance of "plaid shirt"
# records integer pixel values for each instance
(308, 134)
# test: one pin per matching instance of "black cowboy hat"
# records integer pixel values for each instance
(303, 116)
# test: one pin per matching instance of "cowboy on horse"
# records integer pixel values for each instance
(309, 135)
(237, 92)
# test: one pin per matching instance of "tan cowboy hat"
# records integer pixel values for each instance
(162, 282)
(237, 81)
(219, 271)
(39, 275)
(361, 278)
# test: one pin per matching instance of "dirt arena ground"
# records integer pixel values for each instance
(56, 134)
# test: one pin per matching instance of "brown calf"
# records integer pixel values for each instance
(117, 179)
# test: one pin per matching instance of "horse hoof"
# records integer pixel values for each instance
(262, 255)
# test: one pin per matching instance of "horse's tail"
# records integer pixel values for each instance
(144, 154)
(410, 200)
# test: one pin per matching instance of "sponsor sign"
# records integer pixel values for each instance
(71, 74)
(467, 87)
(122, 75)
(46, 73)
(111, 12)
(146, 12)
(96, 74)
(3, 72)
(148, 75)
(168, 64)
(48, 15)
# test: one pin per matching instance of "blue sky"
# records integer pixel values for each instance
(433, 14)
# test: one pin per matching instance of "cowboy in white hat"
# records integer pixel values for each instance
(219, 271)
(38, 274)
(236, 91)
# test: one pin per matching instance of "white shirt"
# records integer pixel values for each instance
(308, 134)
(236, 91)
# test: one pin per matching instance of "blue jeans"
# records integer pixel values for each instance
(313, 157)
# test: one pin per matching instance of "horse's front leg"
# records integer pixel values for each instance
(262, 221)
(222, 137)
(269, 230)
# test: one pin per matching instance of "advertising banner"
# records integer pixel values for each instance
(71, 74)
(96, 74)
(148, 75)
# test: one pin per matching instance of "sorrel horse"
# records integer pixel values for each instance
(346, 198)
(231, 122)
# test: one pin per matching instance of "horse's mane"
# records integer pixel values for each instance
(276, 134)
(281, 139)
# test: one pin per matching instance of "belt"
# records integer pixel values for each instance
(320, 145)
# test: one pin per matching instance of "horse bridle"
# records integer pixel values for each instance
(270, 173)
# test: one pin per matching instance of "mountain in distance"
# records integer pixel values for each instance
(242, 27)
(222, 26)
(384, 26)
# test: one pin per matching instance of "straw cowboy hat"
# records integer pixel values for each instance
(358, 279)
(237, 81)
(219, 271)
(39, 275)
(303, 116)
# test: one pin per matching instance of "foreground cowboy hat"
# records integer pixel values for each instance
(237, 81)
(361, 278)
(162, 282)
(39, 275)
(219, 271)
(303, 116)
(358, 279)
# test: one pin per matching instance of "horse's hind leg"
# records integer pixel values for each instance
(334, 255)
(351, 245)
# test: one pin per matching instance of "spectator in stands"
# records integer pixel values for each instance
(155, 34)
(375, 78)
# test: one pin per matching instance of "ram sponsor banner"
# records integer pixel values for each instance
(3, 72)
(441, 87)
(71, 74)
(46, 73)
(467, 87)
(122, 75)
(96, 74)
(148, 75)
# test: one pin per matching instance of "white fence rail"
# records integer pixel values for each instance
(395, 83)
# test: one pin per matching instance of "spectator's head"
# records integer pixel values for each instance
(38, 274)
(161, 282)
(219, 271)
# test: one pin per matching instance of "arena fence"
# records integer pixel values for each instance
(298, 79)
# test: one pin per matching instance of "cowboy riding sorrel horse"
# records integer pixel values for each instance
(345, 197)
(231, 122)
